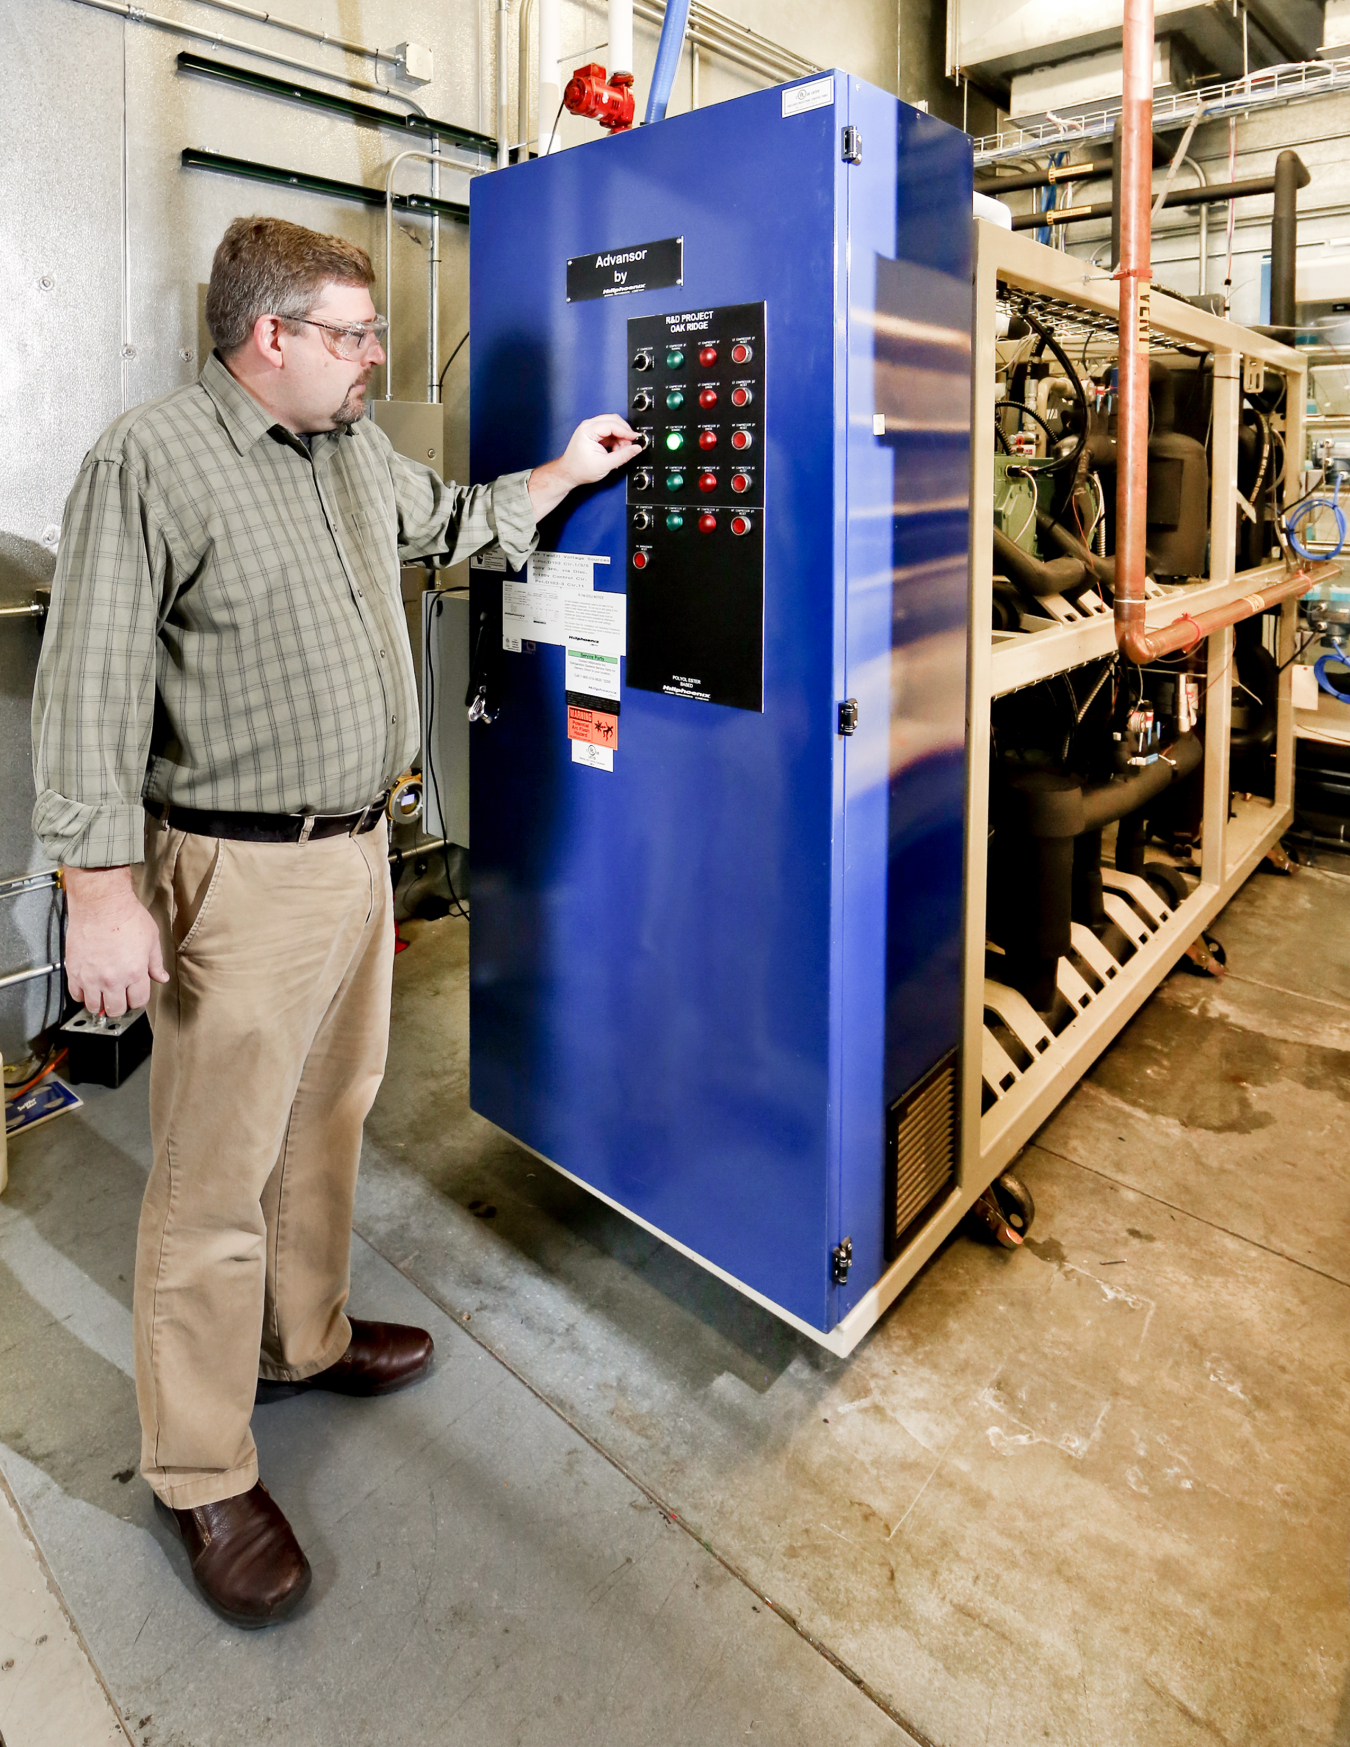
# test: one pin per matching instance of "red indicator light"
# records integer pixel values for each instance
(707, 523)
(707, 439)
(742, 439)
(707, 356)
(640, 561)
(707, 397)
(707, 482)
(740, 524)
(741, 396)
(742, 352)
(740, 482)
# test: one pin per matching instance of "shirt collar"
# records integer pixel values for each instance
(245, 419)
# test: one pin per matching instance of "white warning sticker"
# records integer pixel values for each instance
(815, 94)
(598, 757)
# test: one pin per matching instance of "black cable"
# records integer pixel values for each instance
(431, 760)
(1001, 439)
(1070, 458)
(440, 380)
(1021, 406)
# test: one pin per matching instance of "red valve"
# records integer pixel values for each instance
(588, 95)
(707, 523)
(707, 357)
(742, 439)
(640, 561)
(742, 352)
(707, 482)
(707, 397)
(740, 482)
(740, 524)
(741, 397)
(707, 439)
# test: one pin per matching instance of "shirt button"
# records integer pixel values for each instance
(360, 594)
(394, 720)
(382, 655)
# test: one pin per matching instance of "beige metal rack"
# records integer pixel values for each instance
(1027, 1082)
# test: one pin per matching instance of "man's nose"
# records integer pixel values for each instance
(374, 354)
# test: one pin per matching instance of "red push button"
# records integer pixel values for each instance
(707, 397)
(707, 482)
(742, 396)
(707, 523)
(707, 439)
(640, 561)
(740, 524)
(742, 352)
(742, 439)
(740, 482)
(707, 356)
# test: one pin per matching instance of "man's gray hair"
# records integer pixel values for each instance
(267, 266)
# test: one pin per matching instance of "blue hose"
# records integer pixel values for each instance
(1320, 669)
(1309, 509)
(667, 59)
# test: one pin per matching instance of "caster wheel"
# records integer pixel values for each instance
(1167, 881)
(1014, 1202)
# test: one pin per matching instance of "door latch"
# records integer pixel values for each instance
(852, 153)
(841, 1260)
(848, 715)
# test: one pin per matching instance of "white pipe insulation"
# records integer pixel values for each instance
(503, 85)
(550, 89)
(620, 37)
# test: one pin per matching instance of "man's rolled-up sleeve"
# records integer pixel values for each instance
(94, 701)
(449, 523)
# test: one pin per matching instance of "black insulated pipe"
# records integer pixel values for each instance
(1290, 176)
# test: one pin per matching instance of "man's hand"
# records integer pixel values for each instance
(596, 448)
(112, 941)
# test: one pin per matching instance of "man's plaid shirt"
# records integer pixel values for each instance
(227, 629)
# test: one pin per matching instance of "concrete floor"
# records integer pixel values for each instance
(1095, 1492)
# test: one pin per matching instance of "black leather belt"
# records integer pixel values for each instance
(273, 827)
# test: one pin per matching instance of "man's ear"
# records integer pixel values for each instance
(267, 332)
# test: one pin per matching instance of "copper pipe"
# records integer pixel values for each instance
(1142, 645)
(1134, 273)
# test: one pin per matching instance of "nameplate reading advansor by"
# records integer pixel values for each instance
(616, 272)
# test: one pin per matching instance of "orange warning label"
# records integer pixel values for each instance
(593, 725)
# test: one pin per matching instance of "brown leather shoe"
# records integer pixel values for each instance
(245, 1559)
(380, 1357)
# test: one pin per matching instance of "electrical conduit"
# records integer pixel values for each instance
(549, 87)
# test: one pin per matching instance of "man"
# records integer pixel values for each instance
(226, 690)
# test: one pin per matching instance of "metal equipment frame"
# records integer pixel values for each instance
(1232, 848)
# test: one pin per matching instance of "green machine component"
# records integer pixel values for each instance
(1015, 495)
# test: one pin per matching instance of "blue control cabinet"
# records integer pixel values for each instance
(718, 981)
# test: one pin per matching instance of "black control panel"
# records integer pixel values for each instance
(695, 505)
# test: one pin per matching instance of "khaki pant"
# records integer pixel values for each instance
(270, 1041)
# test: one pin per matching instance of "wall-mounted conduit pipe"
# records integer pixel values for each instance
(348, 108)
(433, 276)
(139, 15)
(1134, 273)
(524, 134)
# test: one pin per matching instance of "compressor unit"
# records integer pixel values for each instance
(719, 760)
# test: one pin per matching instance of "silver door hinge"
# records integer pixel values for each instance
(848, 715)
(841, 1260)
(852, 145)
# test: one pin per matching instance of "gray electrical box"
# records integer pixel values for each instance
(416, 428)
(445, 720)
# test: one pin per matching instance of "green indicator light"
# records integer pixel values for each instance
(675, 399)
(674, 439)
(674, 482)
(674, 359)
(674, 519)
